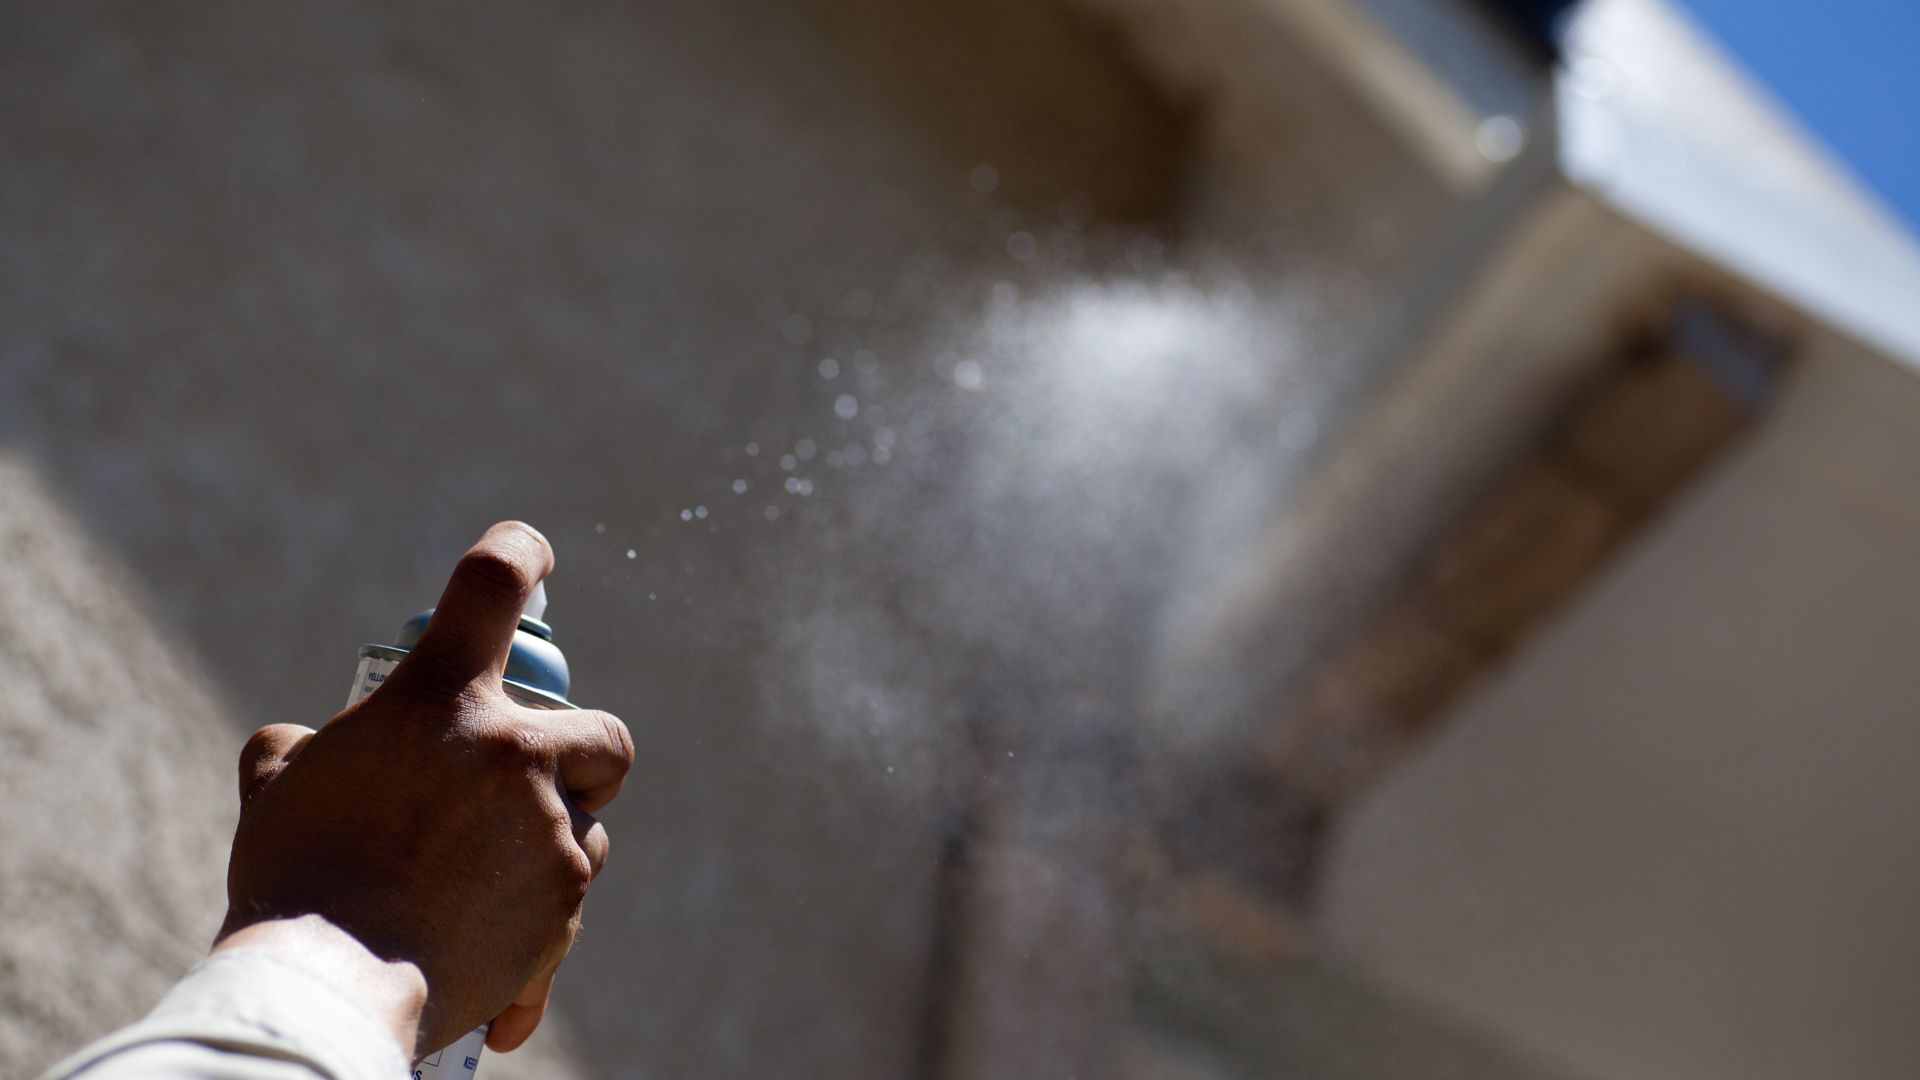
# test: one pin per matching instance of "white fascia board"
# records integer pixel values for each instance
(1652, 120)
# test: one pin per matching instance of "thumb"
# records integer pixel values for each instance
(267, 752)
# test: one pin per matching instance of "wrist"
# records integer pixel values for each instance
(394, 992)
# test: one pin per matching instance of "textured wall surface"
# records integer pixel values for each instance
(298, 298)
(105, 720)
(1675, 839)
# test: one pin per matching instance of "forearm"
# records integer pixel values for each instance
(289, 999)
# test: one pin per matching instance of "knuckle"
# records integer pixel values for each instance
(257, 745)
(573, 874)
(483, 701)
(494, 572)
(618, 737)
(512, 743)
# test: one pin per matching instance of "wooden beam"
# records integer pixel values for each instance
(1656, 418)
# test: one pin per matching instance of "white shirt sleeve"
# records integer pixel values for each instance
(245, 1014)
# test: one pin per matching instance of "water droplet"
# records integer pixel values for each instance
(739, 487)
(599, 526)
(797, 329)
(793, 485)
(753, 449)
(789, 462)
(984, 179)
(653, 596)
(1021, 246)
(805, 449)
(882, 455)
(967, 375)
(700, 512)
(829, 368)
(846, 406)
(1499, 138)
(686, 515)
(772, 512)
(883, 437)
(632, 554)
(806, 487)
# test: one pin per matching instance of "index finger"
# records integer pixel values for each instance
(592, 752)
(471, 631)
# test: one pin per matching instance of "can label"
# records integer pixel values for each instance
(372, 672)
(375, 668)
(458, 1061)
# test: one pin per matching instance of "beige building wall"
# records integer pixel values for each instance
(1675, 838)
(298, 298)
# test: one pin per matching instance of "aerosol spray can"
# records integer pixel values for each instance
(536, 677)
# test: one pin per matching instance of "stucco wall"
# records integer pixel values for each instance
(299, 297)
(1675, 838)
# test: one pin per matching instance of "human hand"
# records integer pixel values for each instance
(445, 828)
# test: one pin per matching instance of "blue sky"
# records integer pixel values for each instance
(1849, 68)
